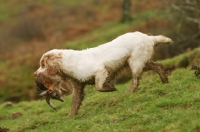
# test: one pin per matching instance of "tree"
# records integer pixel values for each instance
(186, 22)
(126, 11)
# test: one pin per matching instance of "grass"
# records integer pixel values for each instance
(183, 60)
(152, 107)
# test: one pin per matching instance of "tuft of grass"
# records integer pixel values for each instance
(152, 107)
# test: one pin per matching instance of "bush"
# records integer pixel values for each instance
(28, 29)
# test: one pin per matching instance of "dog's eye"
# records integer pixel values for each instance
(42, 64)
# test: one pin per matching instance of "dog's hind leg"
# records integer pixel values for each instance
(136, 67)
(78, 96)
(157, 67)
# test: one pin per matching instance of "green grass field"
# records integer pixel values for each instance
(152, 107)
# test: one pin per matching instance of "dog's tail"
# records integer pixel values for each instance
(160, 39)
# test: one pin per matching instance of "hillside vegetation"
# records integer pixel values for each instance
(33, 28)
(152, 107)
(30, 28)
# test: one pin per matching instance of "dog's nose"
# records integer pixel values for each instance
(36, 74)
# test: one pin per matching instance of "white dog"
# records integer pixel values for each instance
(99, 65)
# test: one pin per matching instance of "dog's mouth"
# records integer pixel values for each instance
(39, 85)
(44, 91)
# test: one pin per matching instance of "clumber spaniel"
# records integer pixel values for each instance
(98, 65)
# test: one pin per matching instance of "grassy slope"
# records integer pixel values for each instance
(152, 107)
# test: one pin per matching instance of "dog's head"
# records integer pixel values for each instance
(47, 76)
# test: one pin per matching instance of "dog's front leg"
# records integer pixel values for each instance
(134, 85)
(136, 66)
(78, 96)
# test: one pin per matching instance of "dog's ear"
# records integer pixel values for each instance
(52, 71)
(66, 87)
(52, 63)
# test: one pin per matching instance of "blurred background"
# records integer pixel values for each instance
(30, 28)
